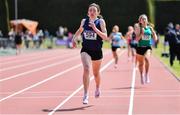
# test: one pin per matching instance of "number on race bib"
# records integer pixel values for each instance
(145, 37)
(90, 35)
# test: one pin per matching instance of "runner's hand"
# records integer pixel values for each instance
(92, 25)
(74, 45)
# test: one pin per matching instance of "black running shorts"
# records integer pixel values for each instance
(114, 48)
(95, 55)
(142, 50)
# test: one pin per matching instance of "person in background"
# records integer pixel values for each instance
(169, 28)
(69, 40)
(174, 44)
(115, 38)
(143, 49)
(134, 42)
(128, 40)
(1, 34)
(178, 43)
(18, 40)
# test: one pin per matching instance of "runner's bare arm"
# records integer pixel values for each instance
(110, 38)
(79, 31)
(140, 34)
(154, 34)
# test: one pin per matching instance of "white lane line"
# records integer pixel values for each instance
(27, 58)
(38, 69)
(88, 114)
(105, 91)
(77, 90)
(41, 82)
(103, 96)
(34, 62)
(131, 102)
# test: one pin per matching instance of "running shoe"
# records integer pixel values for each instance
(115, 66)
(97, 93)
(142, 79)
(147, 80)
(85, 99)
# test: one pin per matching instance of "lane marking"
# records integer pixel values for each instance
(81, 87)
(131, 102)
(41, 82)
(87, 114)
(105, 91)
(34, 62)
(38, 69)
(28, 57)
(104, 96)
(45, 80)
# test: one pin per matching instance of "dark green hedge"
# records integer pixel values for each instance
(53, 13)
(166, 12)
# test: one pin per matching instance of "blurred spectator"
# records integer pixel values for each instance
(177, 29)
(69, 40)
(46, 33)
(60, 32)
(27, 38)
(18, 41)
(35, 41)
(66, 31)
(169, 27)
(40, 35)
(1, 34)
(173, 38)
(11, 34)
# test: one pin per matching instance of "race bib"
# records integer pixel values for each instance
(145, 37)
(90, 35)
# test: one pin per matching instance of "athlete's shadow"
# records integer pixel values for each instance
(69, 109)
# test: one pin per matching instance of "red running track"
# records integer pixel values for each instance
(50, 82)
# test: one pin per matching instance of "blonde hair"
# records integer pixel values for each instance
(143, 16)
(151, 24)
